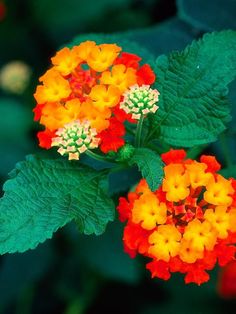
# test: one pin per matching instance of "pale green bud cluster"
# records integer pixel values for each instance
(140, 100)
(75, 138)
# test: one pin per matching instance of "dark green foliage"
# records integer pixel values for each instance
(43, 195)
(150, 165)
(208, 15)
(193, 83)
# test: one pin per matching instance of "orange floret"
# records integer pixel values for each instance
(101, 57)
(197, 175)
(188, 253)
(54, 115)
(99, 120)
(104, 97)
(164, 242)
(83, 50)
(120, 76)
(148, 211)
(219, 219)
(175, 183)
(218, 191)
(65, 61)
(201, 235)
(54, 88)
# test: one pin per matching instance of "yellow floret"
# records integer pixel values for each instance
(164, 242)
(54, 88)
(175, 183)
(83, 50)
(101, 57)
(55, 116)
(98, 119)
(149, 211)
(104, 96)
(65, 61)
(219, 219)
(218, 191)
(201, 235)
(197, 175)
(188, 253)
(120, 76)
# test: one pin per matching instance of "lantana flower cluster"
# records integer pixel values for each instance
(188, 224)
(97, 86)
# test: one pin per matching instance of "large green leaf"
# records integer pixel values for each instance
(193, 88)
(44, 195)
(208, 15)
(150, 165)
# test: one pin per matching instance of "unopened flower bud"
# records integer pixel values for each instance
(75, 138)
(140, 100)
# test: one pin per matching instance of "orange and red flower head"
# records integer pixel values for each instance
(99, 84)
(188, 224)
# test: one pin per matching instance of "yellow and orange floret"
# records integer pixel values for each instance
(188, 224)
(86, 83)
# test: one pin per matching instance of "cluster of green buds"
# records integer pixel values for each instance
(75, 138)
(140, 100)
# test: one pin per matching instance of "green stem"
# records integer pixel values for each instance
(138, 134)
(98, 157)
(129, 129)
(153, 131)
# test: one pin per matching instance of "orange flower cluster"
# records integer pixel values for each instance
(87, 83)
(187, 224)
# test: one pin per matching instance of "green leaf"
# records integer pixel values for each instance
(193, 88)
(150, 165)
(208, 15)
(44, 195)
